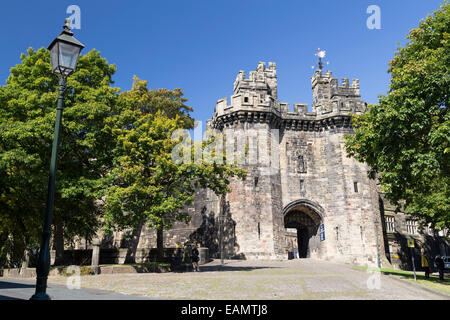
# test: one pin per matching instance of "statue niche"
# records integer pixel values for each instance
(301, 164)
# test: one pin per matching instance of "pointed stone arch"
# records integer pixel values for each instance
(306, 216)
(312, 205)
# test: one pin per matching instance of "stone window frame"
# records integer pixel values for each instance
(412, 226)
(390, 223)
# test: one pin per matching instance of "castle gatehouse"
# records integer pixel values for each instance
(302, 194)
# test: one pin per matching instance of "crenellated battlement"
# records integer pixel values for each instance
(258, 93)
(262, 82)
(329, 95)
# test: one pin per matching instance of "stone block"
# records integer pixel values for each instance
(28, 273)
(203, 255)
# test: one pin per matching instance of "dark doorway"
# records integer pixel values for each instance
(303, 237)
(303, 241)
(306, 222)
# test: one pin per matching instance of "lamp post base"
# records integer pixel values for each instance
(40, 296)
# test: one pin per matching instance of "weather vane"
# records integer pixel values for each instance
(321, 54)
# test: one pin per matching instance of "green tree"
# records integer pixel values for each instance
(141, 100)
(405, 138)
(27, 117)
(146, 184)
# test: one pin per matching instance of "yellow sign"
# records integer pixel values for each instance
(411, 243)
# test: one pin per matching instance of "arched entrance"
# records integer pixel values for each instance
(305, 217)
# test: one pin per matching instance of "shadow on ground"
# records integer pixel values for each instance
(8, 298)
(226, 268)
(14, 285)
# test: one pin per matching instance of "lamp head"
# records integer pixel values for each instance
(65, 51)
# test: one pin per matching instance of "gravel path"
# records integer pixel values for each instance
(237, 280)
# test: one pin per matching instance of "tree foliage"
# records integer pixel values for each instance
(405, 137)
(27, 119)
(146, 184)
(114, 144)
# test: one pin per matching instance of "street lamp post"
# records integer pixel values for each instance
(64, 53)
(221, 224)
(221, 218)
(378, 244)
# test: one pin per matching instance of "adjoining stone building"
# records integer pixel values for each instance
(398, 228)
(302, 193)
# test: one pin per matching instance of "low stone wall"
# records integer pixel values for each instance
(134, 269)
(179, 259)
(31, 272)
(74, 257)
(18, 273)
(125, 256)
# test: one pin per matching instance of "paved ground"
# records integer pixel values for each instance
(14, 289)
(296, 279)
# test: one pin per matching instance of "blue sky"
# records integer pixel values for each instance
(200, 45)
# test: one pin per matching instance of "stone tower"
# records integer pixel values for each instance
(251, 129)
(302, 190)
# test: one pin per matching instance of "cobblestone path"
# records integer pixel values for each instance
(295, 279)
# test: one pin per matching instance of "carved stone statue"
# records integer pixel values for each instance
(301, 164)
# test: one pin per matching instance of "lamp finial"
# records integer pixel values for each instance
(67, 22)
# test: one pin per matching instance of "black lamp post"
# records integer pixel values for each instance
(221, 221)
(221, 226)
(378, 243)
(64, 53)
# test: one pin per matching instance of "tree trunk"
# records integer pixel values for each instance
(8, 252)
(160, 243)
(59, 242)
(26, 251)
(26, 259)
(133, 244)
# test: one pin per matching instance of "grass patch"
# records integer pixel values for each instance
(432, 282)
(84, 271)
